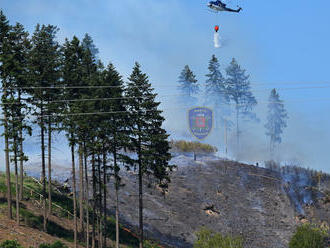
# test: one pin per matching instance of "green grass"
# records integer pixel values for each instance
(66, 203)
(15, 244)
(125, 237)
(36, 221)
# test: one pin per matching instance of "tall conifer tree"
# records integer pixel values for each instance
(44, 71)
(216, 94)
(18, 45)
(4, 73)
(239, 91)
(73, 77)
(276, 120)
(189, 87)
(147, 137)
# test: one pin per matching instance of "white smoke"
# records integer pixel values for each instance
(216, 40)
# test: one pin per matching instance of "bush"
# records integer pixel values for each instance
(148, 244)
(307, 236)
(194, 147)
(10, 244)
(209, 239)
(57, 244)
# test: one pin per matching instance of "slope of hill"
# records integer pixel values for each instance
(264, 206)
(60, 223)
(261, 205)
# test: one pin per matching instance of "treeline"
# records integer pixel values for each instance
(49, 88)
(230, 95)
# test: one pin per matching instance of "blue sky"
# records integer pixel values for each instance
(280, 43)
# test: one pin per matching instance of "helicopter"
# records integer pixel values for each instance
(220, 6)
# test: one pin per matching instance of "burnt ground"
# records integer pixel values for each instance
(224, 196)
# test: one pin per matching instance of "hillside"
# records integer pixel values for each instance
(262, 205)
(60, 225)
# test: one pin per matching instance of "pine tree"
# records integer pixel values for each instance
(104, 139)
(276, 120)
(239, 91)
(73, 77)
(44, 70)
(87, 132)
(89, 68)
(13, 134)
(5, 28)
(188, 86)
(147, 138)
(18, 46)
(216, 91)
(115, 128)
(88, 44)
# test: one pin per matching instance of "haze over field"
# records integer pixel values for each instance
(276, 49)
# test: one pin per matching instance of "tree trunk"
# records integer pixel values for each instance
(100, 199)
(104, 198)
(9, 200)
(117, 218)
(140, 197)
(86, 197)
(21, 156)
(270, 149)
(74, 193)
(43, 168)
(117, 198)
(49, 166)
(81, 189)
(140, 205)
(226, 144)
(237, 131)
(16, 181)
(99, 230)
(94, 200)
(21, 168)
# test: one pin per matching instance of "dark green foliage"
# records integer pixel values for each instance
(10, 244)
(307, 236)
(57, 244)
(13, 60)
(45, 70)
(209, 239)
(147, 137)
(88, 44)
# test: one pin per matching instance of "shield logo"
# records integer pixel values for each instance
(200, 122)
